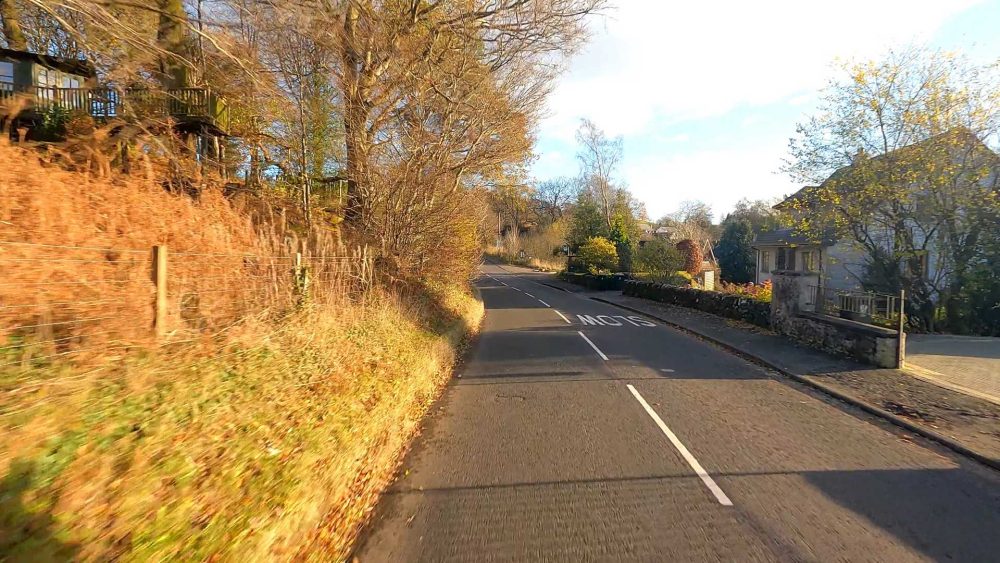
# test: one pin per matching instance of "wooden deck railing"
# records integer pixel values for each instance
(184, 104)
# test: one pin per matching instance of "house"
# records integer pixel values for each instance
(834, 262)
(45, 82)
(834, 259)
(21, 71)
(664, 232)
(645, 233)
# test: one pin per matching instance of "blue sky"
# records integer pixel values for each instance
(706, 94)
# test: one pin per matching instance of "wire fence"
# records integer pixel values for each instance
(82, 303)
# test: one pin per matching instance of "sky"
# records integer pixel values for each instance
(706, 94)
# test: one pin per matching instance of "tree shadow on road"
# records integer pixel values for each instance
(946, 514)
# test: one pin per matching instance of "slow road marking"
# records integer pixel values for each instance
(690, 459)
(612, 320)
(594, 346)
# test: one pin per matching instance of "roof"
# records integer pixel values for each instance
(789, 237)
(961, 133)
(72, 66)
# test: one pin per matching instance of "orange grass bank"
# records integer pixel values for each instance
(264, 428)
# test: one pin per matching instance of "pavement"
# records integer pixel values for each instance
(966, 363)
(578, 431)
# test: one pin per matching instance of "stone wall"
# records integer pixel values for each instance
(866, 343)
(722, 304)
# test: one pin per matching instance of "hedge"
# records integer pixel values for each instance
(599, 282)
(722, 304)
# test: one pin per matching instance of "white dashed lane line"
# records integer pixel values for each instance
(592, 345)
(563, 317)
(690, 459)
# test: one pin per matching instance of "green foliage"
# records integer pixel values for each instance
(588, 222)
(736, 257)
(620, 237)
(53, 126)
(598, 254)
(658, 259)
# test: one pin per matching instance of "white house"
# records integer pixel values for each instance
(838, 262)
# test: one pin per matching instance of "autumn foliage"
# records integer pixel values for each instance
(693, 257)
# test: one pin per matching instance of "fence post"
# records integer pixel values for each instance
(901, 350)
(301, 280)
(160, 278)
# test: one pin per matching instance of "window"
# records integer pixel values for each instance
(765, 262)
(70, 82)
(6, 73)
(810, 261)
(785, 259)
(44, 77)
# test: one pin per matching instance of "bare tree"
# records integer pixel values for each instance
(553, 197)
(599, 160)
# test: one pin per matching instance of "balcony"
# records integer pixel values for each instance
(189, 107)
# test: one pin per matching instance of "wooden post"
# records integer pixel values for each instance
(901, 351)
(160, 278)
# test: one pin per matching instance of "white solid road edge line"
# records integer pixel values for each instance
(563, 317)
(705, 477)
(592, 345)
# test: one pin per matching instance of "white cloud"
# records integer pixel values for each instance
(685, 60)
(654, 64)
(717, 177)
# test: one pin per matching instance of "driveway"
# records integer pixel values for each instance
(965, 363)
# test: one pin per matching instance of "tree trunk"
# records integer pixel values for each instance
(12, 26)
(354, 167)
(354, 115)
(170, 36)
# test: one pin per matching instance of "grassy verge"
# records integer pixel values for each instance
(275, 446)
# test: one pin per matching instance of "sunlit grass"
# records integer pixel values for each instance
(277, 443)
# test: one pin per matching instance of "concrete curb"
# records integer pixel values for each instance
(863, 405)
(553, 286)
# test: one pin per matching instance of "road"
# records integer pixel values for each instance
(581, 432)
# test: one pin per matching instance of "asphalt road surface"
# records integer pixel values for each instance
(581, 432)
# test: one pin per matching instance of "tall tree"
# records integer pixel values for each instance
(553, 197)
(897, 157)
(383, 47)
(600, 158)
(735, 253)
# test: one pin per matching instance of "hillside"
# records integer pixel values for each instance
(250, 402)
